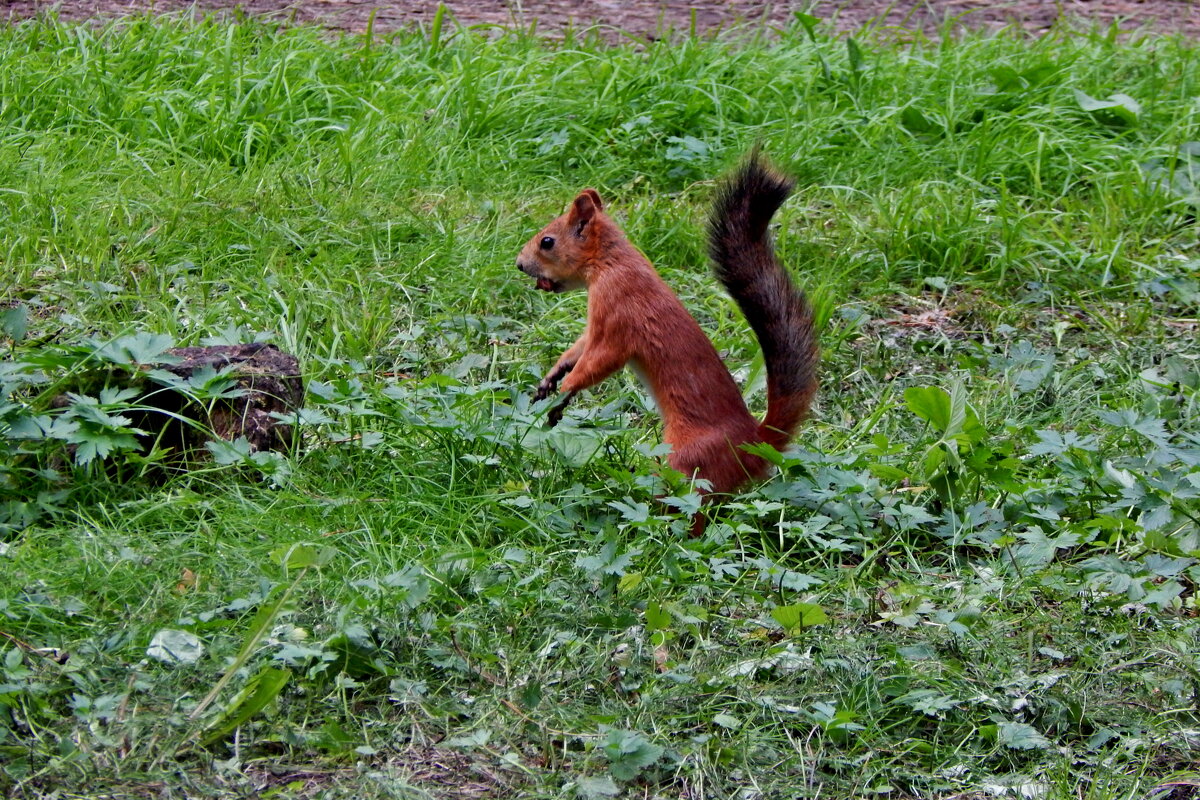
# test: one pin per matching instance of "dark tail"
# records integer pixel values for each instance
(778, 312)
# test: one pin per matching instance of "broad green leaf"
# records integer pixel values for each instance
(632, 511)
(629, 754)
(854, 55)
(888, 473)
(14, 322)
(608, 561)
(687, 504)
(915, 120)
(930, 403)
(226, 452)
(1018, 736)
(949, 414)
(629, 582)
(929, 702)
(1055, 443)
(576, 446)
(139, 348)
(1118, 109)
(788, 617)
(355, 654)
(797, 616)
(302, 555)
(767, 452)
(253, 698)
(175, 647)
(657, 619)
(1163, 595)
(600, 786)
(263, 619)
(29, 426)
(413, 581)
(467, 741)
(686, 148)
(809, 23)
(92, 445)
(727, 721)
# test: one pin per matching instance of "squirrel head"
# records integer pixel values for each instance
(557, 257)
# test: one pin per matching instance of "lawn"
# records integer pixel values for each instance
(974, 574)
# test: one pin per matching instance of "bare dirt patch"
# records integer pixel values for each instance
(651, 18)
(424, 771)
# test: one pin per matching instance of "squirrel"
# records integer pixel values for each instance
(634, 318)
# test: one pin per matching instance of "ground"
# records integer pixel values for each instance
(975, 577)
(647, 17)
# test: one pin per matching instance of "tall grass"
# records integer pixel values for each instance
(511, 600)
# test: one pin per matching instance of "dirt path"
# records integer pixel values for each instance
(649, 17)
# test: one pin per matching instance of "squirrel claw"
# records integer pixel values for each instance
(556, 412)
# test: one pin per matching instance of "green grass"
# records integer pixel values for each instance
(994, 510)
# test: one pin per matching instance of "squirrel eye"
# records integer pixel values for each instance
(547, 242)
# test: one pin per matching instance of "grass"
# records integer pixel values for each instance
(973, 576)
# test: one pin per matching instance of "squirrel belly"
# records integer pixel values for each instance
(634, 318)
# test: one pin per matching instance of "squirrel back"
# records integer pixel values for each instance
(778, 312)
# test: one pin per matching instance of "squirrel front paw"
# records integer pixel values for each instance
(549, 384)
(556, 412)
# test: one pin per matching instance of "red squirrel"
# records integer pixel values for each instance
(634, 318)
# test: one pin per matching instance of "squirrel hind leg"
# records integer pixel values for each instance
(723, 465)
(715, 459)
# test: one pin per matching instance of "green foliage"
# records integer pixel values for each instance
(975, 571)
(629, 754)
(256, 695)
(799, 615)
(1119, 110)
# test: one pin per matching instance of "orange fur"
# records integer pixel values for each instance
(634, 318)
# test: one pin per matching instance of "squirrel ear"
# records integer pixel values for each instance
(583, 210)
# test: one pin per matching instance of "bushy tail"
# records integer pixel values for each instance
(778, 312)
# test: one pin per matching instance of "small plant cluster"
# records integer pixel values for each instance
(973, 575)
(77, 409)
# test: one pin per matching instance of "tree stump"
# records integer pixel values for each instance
(269, 379)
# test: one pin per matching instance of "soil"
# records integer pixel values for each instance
(650, 18)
